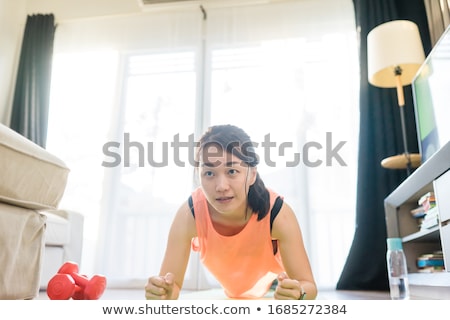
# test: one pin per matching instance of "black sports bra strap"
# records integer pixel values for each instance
(273, 214)
(275, 209)
(191, 205)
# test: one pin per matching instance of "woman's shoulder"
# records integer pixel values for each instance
(184, 220)
(285, 218)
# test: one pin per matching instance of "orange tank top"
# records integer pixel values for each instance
(244, 264)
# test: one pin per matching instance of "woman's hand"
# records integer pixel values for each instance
(159, 287)
(288, 289)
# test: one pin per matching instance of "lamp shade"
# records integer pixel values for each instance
(394, 44)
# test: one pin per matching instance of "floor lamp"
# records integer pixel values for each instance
(394, 55)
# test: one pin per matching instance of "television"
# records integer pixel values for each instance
(431, 98)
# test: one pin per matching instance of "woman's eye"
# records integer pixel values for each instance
(208, 174)
(232, 171)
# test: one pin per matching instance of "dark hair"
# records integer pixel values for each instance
(235, 141)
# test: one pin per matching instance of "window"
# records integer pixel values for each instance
(154, 175)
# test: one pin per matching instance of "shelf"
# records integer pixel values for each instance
(426, 235)
(420, 181)
(435, 279)
(428, 286)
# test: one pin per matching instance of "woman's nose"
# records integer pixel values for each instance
(221, 183)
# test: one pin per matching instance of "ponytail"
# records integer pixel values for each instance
(259, 198)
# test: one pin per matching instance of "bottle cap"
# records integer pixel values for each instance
(394, 243)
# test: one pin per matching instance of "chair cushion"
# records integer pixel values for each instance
(57, 231)
(31, 177)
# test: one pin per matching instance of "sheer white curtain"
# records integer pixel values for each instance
(284, 71)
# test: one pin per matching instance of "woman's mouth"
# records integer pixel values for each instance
(224, 199)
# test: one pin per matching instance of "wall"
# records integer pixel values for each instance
(12, 23)
(69, 9)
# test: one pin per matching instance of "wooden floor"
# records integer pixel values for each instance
(217, 294)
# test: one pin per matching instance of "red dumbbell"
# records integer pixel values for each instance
(62, 287)
(79, 288)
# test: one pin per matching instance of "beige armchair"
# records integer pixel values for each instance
(36, 237)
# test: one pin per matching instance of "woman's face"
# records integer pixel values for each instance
(225, 180)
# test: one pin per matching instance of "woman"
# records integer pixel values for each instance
(246, 234)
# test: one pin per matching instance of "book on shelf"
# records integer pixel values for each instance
(426, 214)
(427, 201)
(431, 262)
(426, 197)
(431, 269)
(422, 263)
(418, 212)
(431, 219)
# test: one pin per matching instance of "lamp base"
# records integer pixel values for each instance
(401, 161)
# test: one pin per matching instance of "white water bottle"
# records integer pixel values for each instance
(397, 270)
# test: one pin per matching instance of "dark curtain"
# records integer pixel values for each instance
(29, 115)
(380, 137)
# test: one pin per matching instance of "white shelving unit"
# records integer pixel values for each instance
(433, 175)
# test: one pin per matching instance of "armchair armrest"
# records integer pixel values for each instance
(73, 249)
